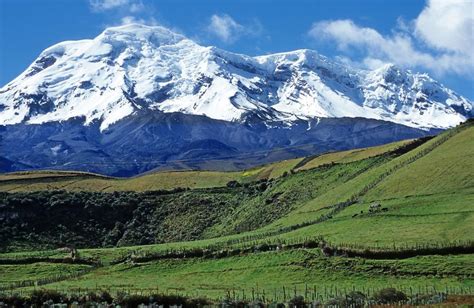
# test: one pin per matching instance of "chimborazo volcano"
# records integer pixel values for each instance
(137, 98)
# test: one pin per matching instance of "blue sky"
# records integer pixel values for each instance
(433, 36)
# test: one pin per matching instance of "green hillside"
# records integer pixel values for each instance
(349, 156)
(81, 181)
(399, 215)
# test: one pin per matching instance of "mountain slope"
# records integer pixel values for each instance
(299, 205)
(179, 141)
(425, 200)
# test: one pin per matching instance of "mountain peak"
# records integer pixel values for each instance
(390, 73)
(157, 35)
(137, 67)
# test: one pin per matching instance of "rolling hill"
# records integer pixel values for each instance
(398, 215)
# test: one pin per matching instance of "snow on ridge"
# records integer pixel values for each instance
(133, 67)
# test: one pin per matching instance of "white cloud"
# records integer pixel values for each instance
(373, 63)
(137, 7)
(102, 5)
(225, 28)
(347, 35)
(129, 20)
(105, 5)
(134, 20)
(453, 52)
(447, 25)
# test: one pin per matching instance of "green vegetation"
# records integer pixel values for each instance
(36, 271)
(349, 156)
(93, 219)
(311, 298)
(399, 215)
(82, 181)
(273, 270)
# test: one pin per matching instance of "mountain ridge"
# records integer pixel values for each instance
(136, 67)
(154, 99)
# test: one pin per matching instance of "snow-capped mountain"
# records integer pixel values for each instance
(137, 98)
(130, 69)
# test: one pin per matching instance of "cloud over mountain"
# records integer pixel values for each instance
(440, 39)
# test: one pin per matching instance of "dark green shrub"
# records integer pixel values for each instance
(355, 299)
(197, 302)
(255, 304)
(134, 300)
(38, 297)
(297, 302)
(229, 303)
(336, 302)
(14, 300)
(171, 300)
(389, 296)
(105, 297)
(233, 184)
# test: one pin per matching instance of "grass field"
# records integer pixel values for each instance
(426, 197)
(36, 271)
(350, 155)
(271, 271)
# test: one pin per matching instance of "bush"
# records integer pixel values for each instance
(233, 184)
(389, 296)
(13, 300)
(105, 297)
(168, 300)
(133, 301)
(297, 301)
(227, 303)
(256, 304)
(262, 187)
(49, 298)
(38, 297)
(355, 299)
(336, 302)
(197, 302)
